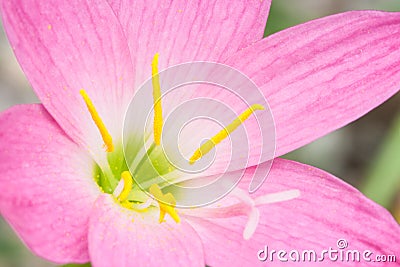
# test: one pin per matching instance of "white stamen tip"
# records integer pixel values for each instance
(119, 188)
(277, 197)
(252, 223)
(145, 205)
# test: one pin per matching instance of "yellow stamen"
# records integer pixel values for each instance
(166, 202)
(158, 119)
(97, 120)
(224, 133)
(128, 183)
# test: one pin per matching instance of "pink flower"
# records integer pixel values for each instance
(317, 77)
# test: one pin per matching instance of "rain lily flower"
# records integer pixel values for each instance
(66, 189)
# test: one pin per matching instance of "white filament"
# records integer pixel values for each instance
(252, 223)
(277, 197)
(119, 188)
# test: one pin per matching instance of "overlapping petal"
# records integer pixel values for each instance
(122, 237)
(47, 184)
(64, 47)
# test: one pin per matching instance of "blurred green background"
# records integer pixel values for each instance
(366, 153)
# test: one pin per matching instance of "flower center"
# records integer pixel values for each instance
(117, 180)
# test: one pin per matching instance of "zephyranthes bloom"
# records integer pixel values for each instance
(61, 160)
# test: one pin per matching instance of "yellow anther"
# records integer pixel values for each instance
(97, 120)
(128, 183)
(166, 202)
(158, 119)
(224, 133)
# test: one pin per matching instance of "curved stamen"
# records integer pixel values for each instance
(224, 133)
(128, 183)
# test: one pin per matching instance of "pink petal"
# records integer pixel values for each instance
(47, 184)
(64, 47)
(183, 31)
(326, 211)
(122, 237)
(319, 76)
(316, 77)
